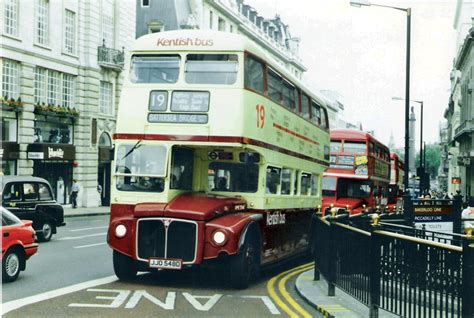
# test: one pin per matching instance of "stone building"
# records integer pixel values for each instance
(223, 15)
(61, 68)
(460, 113)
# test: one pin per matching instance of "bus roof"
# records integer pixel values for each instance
(213, 41)
(351, 134)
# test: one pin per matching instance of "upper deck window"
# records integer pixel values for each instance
(154, 69)
(211, 69)
(358, 148)
(305, 106)
(274, 86)
(336, 146)
(289, 95)
(254, 71)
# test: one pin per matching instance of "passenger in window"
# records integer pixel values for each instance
(221, 184)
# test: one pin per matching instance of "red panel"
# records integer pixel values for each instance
(201, 206)
(149, 209)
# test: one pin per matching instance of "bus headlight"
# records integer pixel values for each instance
(120, 231)
(219, 237)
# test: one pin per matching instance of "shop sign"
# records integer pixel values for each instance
(35, 155)
(9, 150)
(455, 180)
(51, 152)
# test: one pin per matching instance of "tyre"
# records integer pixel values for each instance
(46, 232)
(124, 266)
(245, 265)
(11, 265)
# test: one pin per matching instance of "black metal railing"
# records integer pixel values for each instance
(409, 275)
(109, 57)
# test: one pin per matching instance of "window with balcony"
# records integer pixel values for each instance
(42, 22)
(10, 12)
(40, 85)
(53, 87)
(68, 90)
(10, 79)
(106, 89)
(70, 32)
(108, 23)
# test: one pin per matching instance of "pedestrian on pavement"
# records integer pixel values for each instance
(74, 193)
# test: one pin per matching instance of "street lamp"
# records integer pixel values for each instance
(359, 3)
(422, 165)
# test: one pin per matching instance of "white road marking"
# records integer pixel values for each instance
(90, 245)
(79, 237)
(116, 301)
(89, 228)
(268, 302)
(168, 304)
(211, 301)
(15, 304)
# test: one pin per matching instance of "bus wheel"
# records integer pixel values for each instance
(124, 266)
(246, 264)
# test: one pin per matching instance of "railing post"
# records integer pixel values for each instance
(375, 243)
(332, 255)
(457, 210)
(468, 277)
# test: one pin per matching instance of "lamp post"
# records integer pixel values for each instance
(359, 3)
(422, 163)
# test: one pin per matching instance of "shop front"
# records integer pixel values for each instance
(54, 162)
(9, 154)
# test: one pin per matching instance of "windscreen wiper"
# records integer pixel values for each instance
(136, 146)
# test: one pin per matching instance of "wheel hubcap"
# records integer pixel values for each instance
(12, 264)
(46, 230)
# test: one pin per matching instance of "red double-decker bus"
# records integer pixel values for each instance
(396, 187)
(359, 171)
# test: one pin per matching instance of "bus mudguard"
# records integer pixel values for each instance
(233, 228)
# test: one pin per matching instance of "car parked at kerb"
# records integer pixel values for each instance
(18, 244)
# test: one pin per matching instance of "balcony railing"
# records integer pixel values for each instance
(110, 58)
(467, 126)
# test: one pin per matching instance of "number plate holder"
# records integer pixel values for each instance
(165, 263)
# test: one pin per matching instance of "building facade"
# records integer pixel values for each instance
(223, 15)
(460, 113)
(61, 68)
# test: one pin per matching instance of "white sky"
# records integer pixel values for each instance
(361, 53)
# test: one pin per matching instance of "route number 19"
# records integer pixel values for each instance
(260, 115)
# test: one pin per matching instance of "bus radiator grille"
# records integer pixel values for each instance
(181, 238)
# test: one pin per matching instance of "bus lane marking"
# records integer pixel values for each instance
(120, 299)
(67, 238)
(90, 245)
(212, 300)
(18, 303)
(89, 228)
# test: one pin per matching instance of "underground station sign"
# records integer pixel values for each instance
(434, 215)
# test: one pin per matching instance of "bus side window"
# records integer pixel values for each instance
(273, 180)
(295, 189)
(305, 106)
(182, 162)
(316, 114)
(324, 119)
(274, 86)
(286, 181)
(314, 185)
(305, 183)
(254, 75)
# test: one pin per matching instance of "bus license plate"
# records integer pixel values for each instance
(165, 263)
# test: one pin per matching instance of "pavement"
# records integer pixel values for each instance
(313, 292)
(340, 305)
(83, 211)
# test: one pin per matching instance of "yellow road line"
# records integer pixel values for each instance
(275, 296)
(286, 295)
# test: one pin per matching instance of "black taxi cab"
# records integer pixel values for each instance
(31, 198)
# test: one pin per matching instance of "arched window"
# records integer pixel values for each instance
(104, 140)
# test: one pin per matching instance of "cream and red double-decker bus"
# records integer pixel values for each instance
(359, 172)
(219, 157)
(397, 174)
